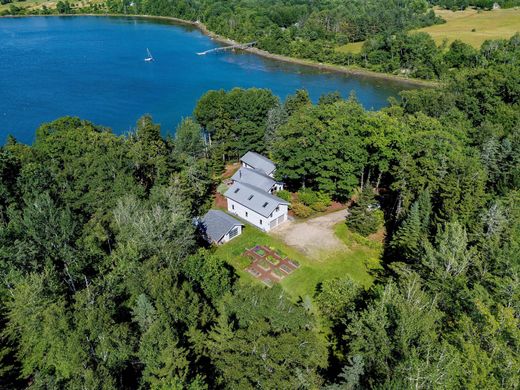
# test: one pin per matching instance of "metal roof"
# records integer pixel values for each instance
(258, 161)
(217, 224)
(254, 198)
(254, 177)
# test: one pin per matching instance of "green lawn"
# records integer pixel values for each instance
(356, 262)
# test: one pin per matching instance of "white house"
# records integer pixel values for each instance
(218, 227)
(257, 161)
(251, 195)
(258, 207)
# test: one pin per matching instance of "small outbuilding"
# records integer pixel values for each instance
(218, 227)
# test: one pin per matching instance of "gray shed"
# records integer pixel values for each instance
(219, 227)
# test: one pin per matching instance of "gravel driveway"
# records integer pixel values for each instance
(314, 235)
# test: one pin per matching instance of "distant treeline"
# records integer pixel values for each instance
(483, 4)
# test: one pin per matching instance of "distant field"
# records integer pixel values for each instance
(496, 24)
(32, 4)
(51, 4)
(354, 48)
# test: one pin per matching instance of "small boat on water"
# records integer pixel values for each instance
(150, 57)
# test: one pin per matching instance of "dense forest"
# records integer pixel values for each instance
(315, 30)
(105, 283)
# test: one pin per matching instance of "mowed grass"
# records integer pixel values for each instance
(359, 261)
(496, 24)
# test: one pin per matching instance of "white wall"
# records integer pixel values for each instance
(226, 237)
(255, 218)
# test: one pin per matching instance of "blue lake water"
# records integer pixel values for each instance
(94, 68)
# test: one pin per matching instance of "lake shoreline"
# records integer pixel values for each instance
(262, 53)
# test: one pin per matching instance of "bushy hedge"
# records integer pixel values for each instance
(318, 201)
(301, 210)
(285, 195)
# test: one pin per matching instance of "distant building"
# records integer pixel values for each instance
(257, 161)
(218, 227)
(496, 6)
(251, 195)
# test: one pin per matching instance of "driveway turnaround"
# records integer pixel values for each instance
(313, 236)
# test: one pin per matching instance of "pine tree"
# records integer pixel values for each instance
(409, 238)
(363, 217)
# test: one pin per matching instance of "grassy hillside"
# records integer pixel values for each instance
(354, 48)
(474, 27)
(50, 4)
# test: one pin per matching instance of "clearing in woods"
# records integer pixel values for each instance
(496, 24)
(325, 249)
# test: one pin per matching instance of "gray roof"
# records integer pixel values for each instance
(217, 224)
(258, 161)
(254, 198)
(254, 177)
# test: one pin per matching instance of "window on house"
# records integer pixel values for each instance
(232, 207)
(260, 222)
(277, 208)
(233, 233)
(238, 189)
(265, 204)
(250, 197)
(246, 214)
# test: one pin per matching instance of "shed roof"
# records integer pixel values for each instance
(254, 198)
(258, 161)
(254, 177)
(217, 224)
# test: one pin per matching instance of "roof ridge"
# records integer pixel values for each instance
(265, 193)
(262, 156)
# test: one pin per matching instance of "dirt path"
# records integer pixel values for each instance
(313, 236)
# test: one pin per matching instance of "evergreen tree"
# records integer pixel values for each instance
(410, 237)
(364, 216)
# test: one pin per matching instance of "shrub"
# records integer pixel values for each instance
(319, 206)
(285, 195)
(318, 201)
(300, 210)
(307, 197)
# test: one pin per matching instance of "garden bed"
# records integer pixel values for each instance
(268, 264)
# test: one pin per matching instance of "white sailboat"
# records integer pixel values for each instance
(150, 57)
